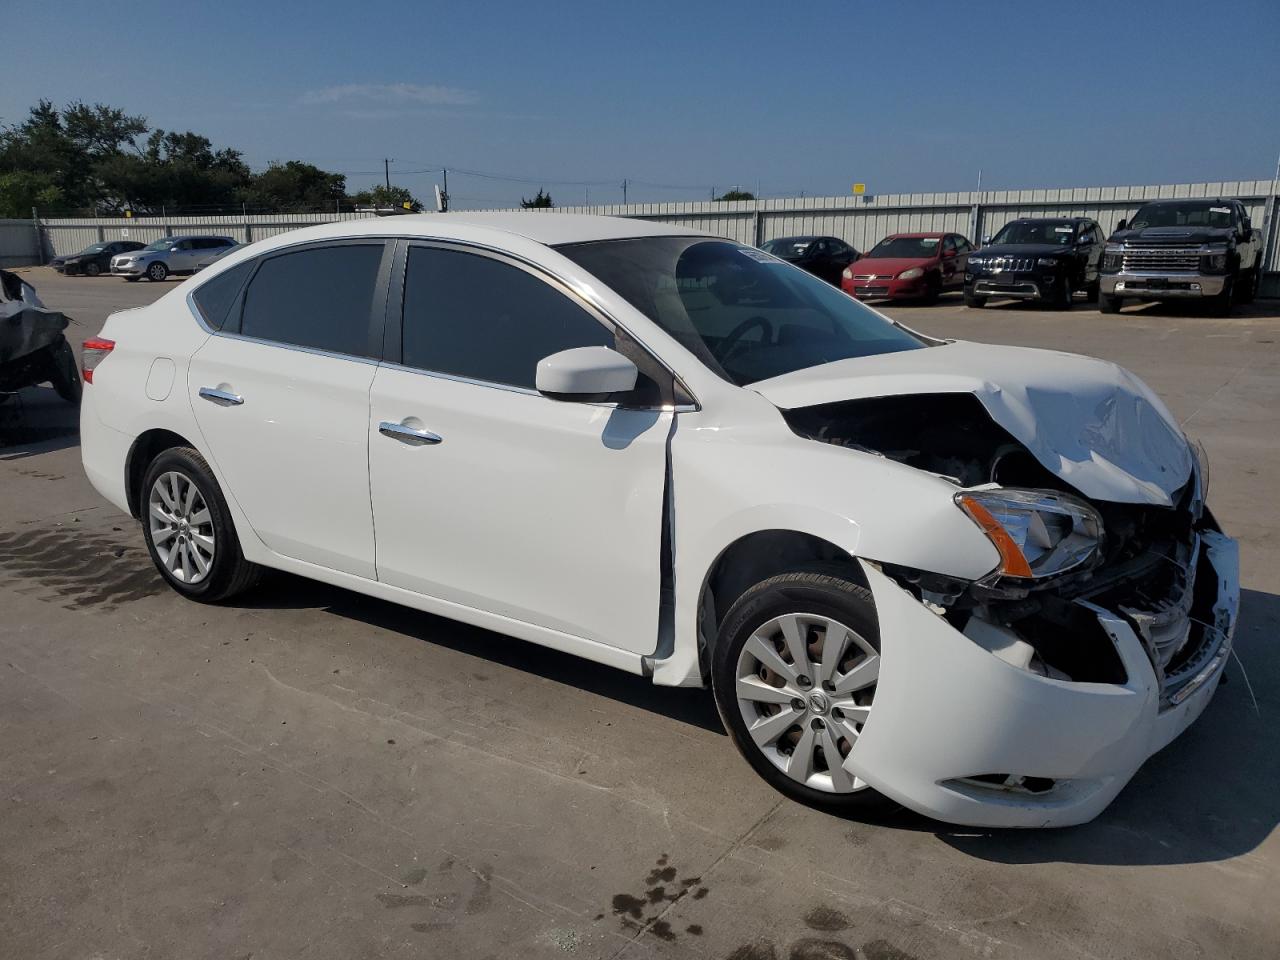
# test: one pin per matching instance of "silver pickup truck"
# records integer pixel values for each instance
(1205, 250)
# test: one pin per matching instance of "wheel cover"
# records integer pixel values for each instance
(158, 271)
(804, 686)
(181, 527)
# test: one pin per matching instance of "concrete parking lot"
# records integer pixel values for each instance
(311, 773)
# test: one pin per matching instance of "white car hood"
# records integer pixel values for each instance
(1090, 422)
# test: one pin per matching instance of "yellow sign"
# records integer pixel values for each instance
(128, 213)
(407, 205)
(859, 188)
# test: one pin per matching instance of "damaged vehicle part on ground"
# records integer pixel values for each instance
(977, 581)
(33, 348)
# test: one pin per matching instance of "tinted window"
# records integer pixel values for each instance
(743, 314)
(320, 298)
(1056, 232)
(214, 297)
(895, 248)
(476, 317)
(963, 245)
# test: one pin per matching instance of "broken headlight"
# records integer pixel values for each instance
(1038, 533)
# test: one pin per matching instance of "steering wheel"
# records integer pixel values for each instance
(726, 346)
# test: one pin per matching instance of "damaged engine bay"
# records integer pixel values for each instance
(1143, 569)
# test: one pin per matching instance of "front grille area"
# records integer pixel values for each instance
(872, 291)
(870, 276)
(1010, 264)
(1161, 259)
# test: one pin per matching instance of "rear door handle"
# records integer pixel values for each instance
(417, 438)
(223, 398)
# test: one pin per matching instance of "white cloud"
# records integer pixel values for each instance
(386, 94)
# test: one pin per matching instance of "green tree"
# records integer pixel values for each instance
(383, 197)
(295, 186)
(541, 201)
(22, 190)
(737, 195)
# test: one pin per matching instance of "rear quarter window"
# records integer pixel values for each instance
(215, 297)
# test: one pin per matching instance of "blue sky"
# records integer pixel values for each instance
(682, 97)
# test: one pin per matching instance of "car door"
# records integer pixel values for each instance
(948, 259)
(1093, 253)
(281, 395)
(963, 249)
(503, 500)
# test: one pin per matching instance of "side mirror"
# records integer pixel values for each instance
(1122, 225)
(986, 239)
(173, 249)
(585, 374)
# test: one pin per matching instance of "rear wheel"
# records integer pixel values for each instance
(1249, 282)
(973, 300)
(794, 673)
(63, 374)
(157, 271)
(1109, 304)
(188, 529)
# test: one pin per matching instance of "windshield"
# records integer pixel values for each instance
(164, 244)
(1194, 213)
(744, 314)
(788, 247)
(899, 248)
(1058, 232)
(92, 249)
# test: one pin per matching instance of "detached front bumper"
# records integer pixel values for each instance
(1162, 286)
(951, 719)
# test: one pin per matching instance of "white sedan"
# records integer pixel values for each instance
(977, 581)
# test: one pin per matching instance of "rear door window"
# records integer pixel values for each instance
(320, 297)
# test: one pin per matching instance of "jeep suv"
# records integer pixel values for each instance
(1046, 259)
(1204, 250)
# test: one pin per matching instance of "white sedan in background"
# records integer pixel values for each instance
(978, 581)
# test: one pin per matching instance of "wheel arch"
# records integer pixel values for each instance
(757, 556)
(146, 447)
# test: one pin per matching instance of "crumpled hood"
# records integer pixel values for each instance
(1090, 422)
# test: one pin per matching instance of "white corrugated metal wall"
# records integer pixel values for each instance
(860, 221)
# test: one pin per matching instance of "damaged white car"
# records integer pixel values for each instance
(979, 581)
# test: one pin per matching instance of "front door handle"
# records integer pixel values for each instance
(223, 398)
(417, 438)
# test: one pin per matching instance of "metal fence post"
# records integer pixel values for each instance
(758, 224)
(35, 225)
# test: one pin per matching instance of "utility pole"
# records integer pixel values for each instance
(386, 169)
(624, 193)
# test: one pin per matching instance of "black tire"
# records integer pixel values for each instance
(1062, 295)
(157, 271)
(973, 300)
(1220, 306)
(1109, 304)
(823, 590)
(92, 269)
(1093, 291)
(63, 374)
(132, 279)
(229, 572)
(1247, 291)
(932, 290)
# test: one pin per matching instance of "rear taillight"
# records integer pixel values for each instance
(95, 351)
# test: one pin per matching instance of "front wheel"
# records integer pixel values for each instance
(1062, 296)
(157, 271)
(188, 530)
(92, 269)
(794, 673)
(1109, 304)
(973, 300)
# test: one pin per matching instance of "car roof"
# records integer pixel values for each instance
(197, 236)
(1051, 219)
(802, 236)
(927, 234)
(547, 228)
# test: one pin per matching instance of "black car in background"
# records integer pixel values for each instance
(824, 257)
(1046, 259)
(93, 259)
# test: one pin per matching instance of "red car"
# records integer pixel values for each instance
(915, 265)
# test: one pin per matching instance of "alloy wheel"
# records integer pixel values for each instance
(181, 527)
(804, 688)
